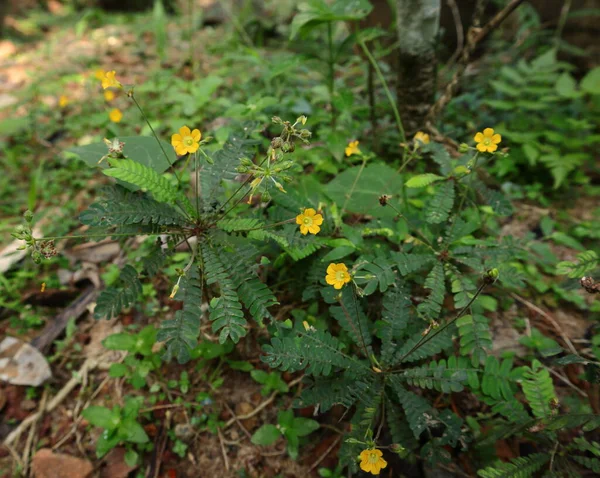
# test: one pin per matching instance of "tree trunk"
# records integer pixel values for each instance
(418, 25)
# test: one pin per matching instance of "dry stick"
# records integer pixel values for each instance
(547, 316)
(32, 433)
(325, 453)
(567, 381)
(474, 36)
(223, 451)
(460, 34)
(88, 365)
(239, 423)
(264, 404)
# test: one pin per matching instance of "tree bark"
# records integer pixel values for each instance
(418, 26)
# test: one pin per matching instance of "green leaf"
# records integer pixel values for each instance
(141, 149)
(131, 431)
(106, 442)
(121, 341)
(143, 177)
(304, 426)
(266, 435)
(586, 262)
(118, 370)
(439, 207)
(113, 300)
(316, 12)
(423, 180)
(591, 82)
(101, 417)
(539, 389)
(521, 467)
(375, 180)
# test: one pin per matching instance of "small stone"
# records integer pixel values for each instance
(46, 464)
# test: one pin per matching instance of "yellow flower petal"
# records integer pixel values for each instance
(488, 132)
(318, 220)
(197, 135)
(314, 229)
(478, 137)
(331, 268)
(184, 131)
(492, 147)
(481, 147)
(299, 219)
(176, 138)
(496, 138)
(310, 212)
(304, 229)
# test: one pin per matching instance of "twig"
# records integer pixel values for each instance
(32, 433)
(87, 366)
(223, 451)
(547, 316)
(264, 404)
(460, 34)
(567, 381)
(242, 427)
(325, 453)
(474, 36)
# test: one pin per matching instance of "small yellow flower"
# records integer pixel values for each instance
(352, 148)
(186, 141)
(372, 461)
(115, 115)
(43, 288)
(309, 221)
(337, 275)
(63, 101)
(421, 137)
(487, 141)
(99, 74)
(109, 95)
(109, 80)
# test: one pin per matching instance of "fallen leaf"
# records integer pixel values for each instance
(46, 464)
(22, 364)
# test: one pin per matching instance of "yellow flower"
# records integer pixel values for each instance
(99, 74)
(337, 275)
(109, 95)
(421, 137)
(109, 80)
(372, 461)
(487, 141)
(309, 221)
(115, 115)
(63, 101)
(352, 148)
(186, 141)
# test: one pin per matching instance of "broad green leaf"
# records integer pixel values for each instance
(101, 417)
(374, 181)
(266, 435)
(141, 149)
(591, 82)
(122, 341)
(315, 12)
(422, 180)
(304, 426)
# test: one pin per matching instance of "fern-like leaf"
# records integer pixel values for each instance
(586, 262)
(122, 207)
(418, 411)
(539, 389)
(432, 306)
(521, 467)
(411, 262)
(180, 334)
(475, 337)
(377, 273)
(423, 180)
(411, 351)
(239, 224)
(395, 316)
(350, 316)
(113, 300)
(441, 376)
(496, 380)
(144, 178)
(438, 208)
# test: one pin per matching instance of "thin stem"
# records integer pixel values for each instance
(349, 195)
(437, 331)
(197, 192)
(155, 137)
(331, 63)
(386, 88)
(85, 236)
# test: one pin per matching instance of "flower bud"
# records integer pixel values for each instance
(246, 162)
(266, 196)
(463, 148)
(493, 273)
(286, 147)
(28, 215)
(302, 119)
(276, 143)
(277, 120)
(305, 134)
(242, 169)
